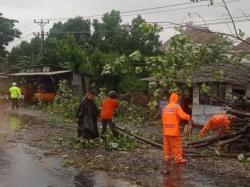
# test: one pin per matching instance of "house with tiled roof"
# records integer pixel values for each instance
(225, 82)
(201, 35)
(243, 46)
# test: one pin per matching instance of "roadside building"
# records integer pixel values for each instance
(225, 83)
(4, 82)
(41, 81)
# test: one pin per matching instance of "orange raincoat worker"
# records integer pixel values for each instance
(220, 124)
(172, 142)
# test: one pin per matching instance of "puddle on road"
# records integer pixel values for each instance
(15, 122)
(24, 166)
(181, 176)
(99, 179)
(27, 170)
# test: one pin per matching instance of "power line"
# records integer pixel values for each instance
(142, 11)
(25, 25)
(164, 27)
(19, 40)
(130, 11)
(154, 8)
(200, 25)
(28, 29)
(196, 6)
(147, 9)
(210, 20)
(178, 9)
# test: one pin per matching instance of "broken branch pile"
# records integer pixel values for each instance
(238, 137)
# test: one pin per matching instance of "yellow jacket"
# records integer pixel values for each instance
(15, 92)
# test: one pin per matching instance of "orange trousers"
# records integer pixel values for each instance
(218, 130)
(172, 146)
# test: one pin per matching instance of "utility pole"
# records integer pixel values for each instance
(41, 23)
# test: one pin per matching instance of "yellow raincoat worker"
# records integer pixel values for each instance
(172, 142)
(15, 94)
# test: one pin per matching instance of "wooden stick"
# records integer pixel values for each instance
(226, 155)
(213, 140)
(140, 138)
(230, 140)
(238, 113)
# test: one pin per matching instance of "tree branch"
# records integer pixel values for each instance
(231, 17)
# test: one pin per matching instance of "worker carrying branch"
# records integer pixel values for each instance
(219, 124)
(172, 142)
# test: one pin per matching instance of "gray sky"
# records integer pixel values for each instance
(27, 10)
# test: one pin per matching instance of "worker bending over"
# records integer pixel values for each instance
(172, 142)
(220, 124)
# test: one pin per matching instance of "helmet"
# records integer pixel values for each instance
(13, 84)
(112, 94)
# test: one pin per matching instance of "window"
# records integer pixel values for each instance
(215, 96)
(238, 91)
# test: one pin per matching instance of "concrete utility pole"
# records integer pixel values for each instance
(41, 23)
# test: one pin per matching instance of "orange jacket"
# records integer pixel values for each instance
(108, 107)
(171, 116)
(216, 123)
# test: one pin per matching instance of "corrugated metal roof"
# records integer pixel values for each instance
(3, 76)
(40, 73)
(237, 74)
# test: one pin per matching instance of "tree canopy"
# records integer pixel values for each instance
(90, 47)
(8, 33)
(118, 55)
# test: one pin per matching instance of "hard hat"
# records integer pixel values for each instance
(112, 94)
(13, 84)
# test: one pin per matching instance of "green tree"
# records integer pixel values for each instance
(77, 27)
(24, 54)
(174, 69)
(110, 35)
(8, 33)
(71, 55)
(104, 54)
(144, 37)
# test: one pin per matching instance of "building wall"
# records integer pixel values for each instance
(4, 85)
(201, 113)
(76, 83)
(196, 94)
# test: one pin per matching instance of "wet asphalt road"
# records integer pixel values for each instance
(24, 166)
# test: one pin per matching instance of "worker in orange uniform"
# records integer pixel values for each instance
(109, 105)
(219, 124)
(172, 142)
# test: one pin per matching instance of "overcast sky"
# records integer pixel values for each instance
(27, 10)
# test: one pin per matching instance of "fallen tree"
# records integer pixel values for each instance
(239, 136)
